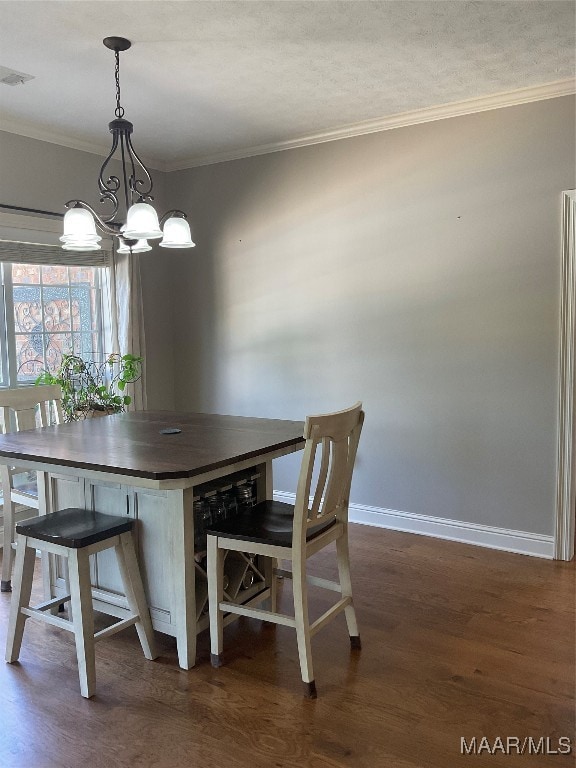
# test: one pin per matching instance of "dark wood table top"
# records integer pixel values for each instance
(132, 443)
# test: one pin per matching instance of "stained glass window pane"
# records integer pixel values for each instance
(54, 275)
(86, 345)
(31, 361)
(56, 309)
(25, 273)
(86, 275)
(27, 309)
(76, 316)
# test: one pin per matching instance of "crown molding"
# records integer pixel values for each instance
(400, 120)
(41, 133)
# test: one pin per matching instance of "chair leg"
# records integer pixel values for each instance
(66, 572)
(81, 601)
(134, 591)
(23, 576)
(8, 514)
(215, 572)
(272, 581)
(300, 589)
(346, 585)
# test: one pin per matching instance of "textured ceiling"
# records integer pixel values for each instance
(204, 78)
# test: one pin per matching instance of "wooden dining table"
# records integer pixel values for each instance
(151, 466)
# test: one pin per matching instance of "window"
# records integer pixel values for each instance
(51, 301)
(50, 310)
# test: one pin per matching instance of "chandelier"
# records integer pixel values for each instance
(131, 193)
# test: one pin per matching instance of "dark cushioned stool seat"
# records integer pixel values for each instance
(270, 522)
(74, 528)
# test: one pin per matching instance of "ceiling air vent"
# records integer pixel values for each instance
(11, 77)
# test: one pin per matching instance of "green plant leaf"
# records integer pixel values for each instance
(87, 384)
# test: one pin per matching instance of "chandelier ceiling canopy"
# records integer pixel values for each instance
(131, 193)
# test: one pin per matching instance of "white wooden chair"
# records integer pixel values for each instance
(20, 409)
(284, 532)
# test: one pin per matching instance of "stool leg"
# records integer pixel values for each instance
(134, 591)
(8, 513)
(83, 612)
(23, 575)
(215, 570)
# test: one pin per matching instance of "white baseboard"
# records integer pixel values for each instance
(522, 542)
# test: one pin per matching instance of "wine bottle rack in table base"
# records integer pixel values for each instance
(244, 574)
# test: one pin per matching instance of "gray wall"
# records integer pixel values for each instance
(414, 269)
(36, 174)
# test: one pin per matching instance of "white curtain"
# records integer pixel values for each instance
(124, 326)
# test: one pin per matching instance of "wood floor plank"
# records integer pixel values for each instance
(457, 641)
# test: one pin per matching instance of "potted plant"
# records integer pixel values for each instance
(90, 388)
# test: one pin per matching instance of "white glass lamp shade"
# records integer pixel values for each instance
(140, 247)
(177, 234)
(80, 245)
(80, 231)
(142, 223)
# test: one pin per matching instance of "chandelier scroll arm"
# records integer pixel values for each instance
(110, 187)
(135, 184)
(123, 150)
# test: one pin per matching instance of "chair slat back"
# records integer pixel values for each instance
(333, 438)
(32, 407)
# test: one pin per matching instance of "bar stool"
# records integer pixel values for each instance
(284, 532)
(76, 534)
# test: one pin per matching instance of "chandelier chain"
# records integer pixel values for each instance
(119, 111)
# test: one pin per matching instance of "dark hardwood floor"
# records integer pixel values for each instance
(458, 641)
